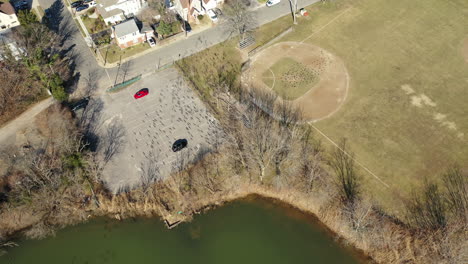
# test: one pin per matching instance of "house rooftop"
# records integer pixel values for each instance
(125, 28)
(106, 14)
(107, 3)
(6, 8)
(146, 28)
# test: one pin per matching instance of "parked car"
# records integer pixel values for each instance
(82, 7)
(151, 42)
(21, 5)
(87, 1)
(80, 104)
(76, 4)
(179, 145)
(92, 4)
(272, 2)
(142, 93)
(213, 16)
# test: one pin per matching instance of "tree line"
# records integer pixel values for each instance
(40, 65)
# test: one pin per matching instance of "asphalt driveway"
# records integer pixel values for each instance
(151, 124)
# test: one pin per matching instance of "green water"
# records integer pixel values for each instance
(241, 232)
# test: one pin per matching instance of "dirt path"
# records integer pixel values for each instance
(8, 131)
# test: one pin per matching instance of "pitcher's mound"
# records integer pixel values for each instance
(311, 78)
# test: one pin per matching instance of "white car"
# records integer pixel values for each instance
(92, 4)
(151, 42)
(272, 2)
(212, 15)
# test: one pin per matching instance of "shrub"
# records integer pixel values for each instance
(200, 17)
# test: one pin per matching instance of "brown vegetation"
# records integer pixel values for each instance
(26, 77)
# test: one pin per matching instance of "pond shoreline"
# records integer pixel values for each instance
(383, 240)
(125, 209)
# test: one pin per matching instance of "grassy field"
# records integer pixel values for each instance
(289, 78)
(94, 25)
(114, 53)
(405, 115)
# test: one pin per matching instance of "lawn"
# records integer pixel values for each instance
(289, 78)
(112, 53)
(94, 25)
(405, 114)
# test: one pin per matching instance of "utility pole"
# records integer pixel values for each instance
(187, 16)
(293, 6)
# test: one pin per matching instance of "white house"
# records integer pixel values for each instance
(127, 34)
(8, 18)
(210, 4)
(114, 11)
(193, 8)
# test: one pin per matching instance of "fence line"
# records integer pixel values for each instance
(124, 84)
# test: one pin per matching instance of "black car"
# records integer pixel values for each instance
(76, 4)
(21, 5)
(82, 7)
(80, 104)
(179, 144)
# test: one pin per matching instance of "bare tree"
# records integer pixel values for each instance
(456, 187)
(150, 170)
(309, 160)
(113, 140)
(239, 20)
(342, 162)
(427, 211)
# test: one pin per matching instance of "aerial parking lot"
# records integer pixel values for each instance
(150, 124)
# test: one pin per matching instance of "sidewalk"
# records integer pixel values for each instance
(159, 44)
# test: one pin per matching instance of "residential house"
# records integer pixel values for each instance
(210, 4)
(193, 8)
(8, 18)
(127, 34)
(114, 11)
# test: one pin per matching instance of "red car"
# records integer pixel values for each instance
(142, 93)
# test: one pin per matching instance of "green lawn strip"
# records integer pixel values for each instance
(204, 69)
(114, 52)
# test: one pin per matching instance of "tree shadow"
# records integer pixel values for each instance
(90, 122)
(57, 22)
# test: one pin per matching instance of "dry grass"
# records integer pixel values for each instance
(387, 46)
(113, 53)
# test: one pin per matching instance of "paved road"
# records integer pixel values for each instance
(194, 43)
